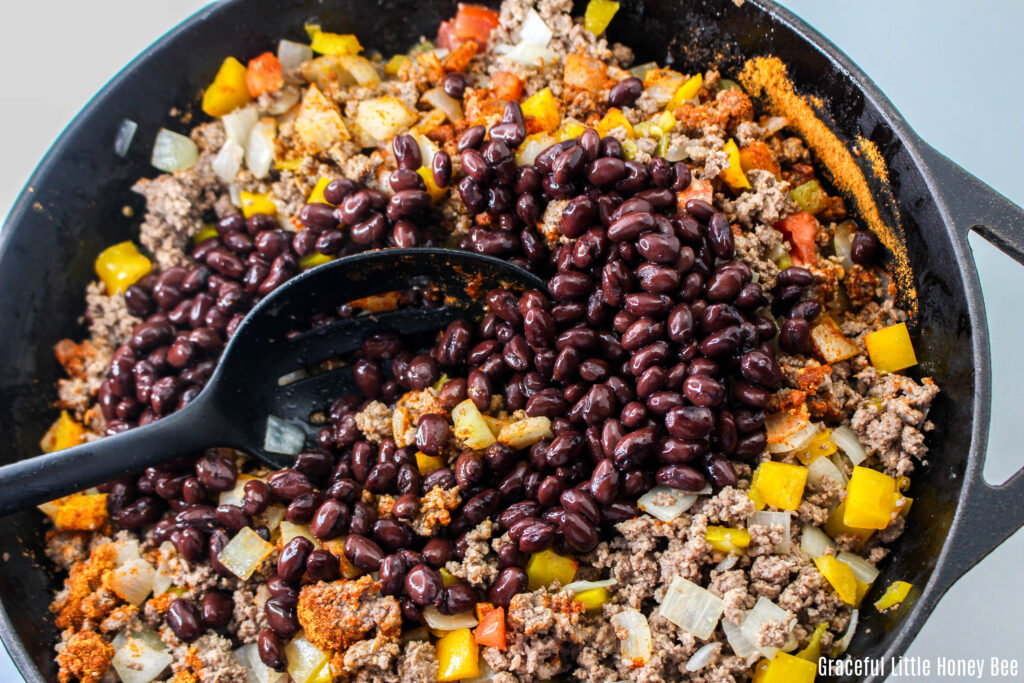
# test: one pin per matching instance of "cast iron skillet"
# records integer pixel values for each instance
(72, 207)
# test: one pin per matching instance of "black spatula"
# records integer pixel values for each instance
(260, 374)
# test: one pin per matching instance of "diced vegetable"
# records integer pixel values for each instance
(824, 470)
(526, 432)
(318, 123)
(733, 174)
(779, 485)
(471, 22)
(810, 197)
(686, 92)
(121, 266)
(124, 137)
(662, 84)
(534, 31)
(770, 519)
(282, 436)
(448, 622)
(784, 668)
(491, 630)
(305, 660)
(253, 204)
(727, 540)
(244, 553)
(598, 15)
(133, 581)
(470, 426)
(451, 107)
(830, 343)
(812, 653)
(789, 430)
(870, 496)
(763, 612)
(849, 443)
(814, 542)
(208, 232)
(692, 608)
(592, 594)
(894, 595)
(228, 90)
(65, 432)
(507, 86)
(313, 260)
(141, 658)
(840, 576)
(290, 530)
(228, 161)
(316, 195)
(325, 43)
(458, 656)
(263, 75)
(890, 348)
(800, 230)
(863, 571)
(665, 503)
(248, 655)
(259, 148)
(757, 155)
(836, 526)
(546, 567)
(632, 629)
(820, 445)
(173, 152)
(382, 118)
(395, 64)
(532, 146)
(737, 641)
(585, 72)
(541, 111)
(428, 463)
(842, 242)
(528, 55)
(292, 55)
(614, 118)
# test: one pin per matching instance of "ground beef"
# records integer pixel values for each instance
(730, 507)
(810, 597)
(336, 615)
(435, 510)
(479, 566)
(248, 618)
(769, 574)
(891, 421)
(731, 586)
(765, 203)
(110, 323)
(374, 421)
(83, 656)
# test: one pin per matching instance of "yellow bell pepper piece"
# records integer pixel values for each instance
(547, 566)
(447, 578)
(542, 108)
(820, 446)
(471, 427)
(785, 668)
(593, 599)
(313, 260)
(836, 527)
(121, 266)
(569, 129)
(686, 92)
(428, 463)
(870, 498)
(332, 43)
(895, 594)
(208, 232)
(614, 118)
(840, 576)
(288, 164)
(629, 150)
(458, 656)
(778, 484)
(435, 191)
(812, 653)
(64, 433)
(726, 539)
(395, 64)
(733, 174)
(228, 91)
(666, 121)
(862, 590)
(598, 15)
(83, 512)
(902, 504)
(254, 203)
(890, 348)
(324, 675)
(316, 195)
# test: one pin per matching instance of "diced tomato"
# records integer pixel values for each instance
(491, 629)
(264, 75)
(507, 86)
(471, 22)
(800, 229)
(698, 189)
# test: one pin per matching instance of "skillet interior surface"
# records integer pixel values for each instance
(73, 208)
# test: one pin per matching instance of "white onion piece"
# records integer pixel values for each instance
(173, 152)
(769, 519)
(727, 563)
(126, 552)
(530, 56)
(815, 542)
(742, 647)
(304, 658)
(162, 580)
(239, 123)
(275, 514)
(822, 470)
(796, 440)
(137, 660)
(437, 98)
(235, 195)
(676, 502)
(632, 629)
(702, 657)
(640, 70)
(283, 100)
(535, 31)
(486, 674)
(283, 437)
(133, 581)
(842, 242)
(774, 125)
(849, 443)
(249, 657)
(292, 55)
(448, 622)
(428, 148)
(763, 612)
(532, 148)
(863, 570)
(228, 161)
(125, 134)
(844, 642)
(259, 148)
(692, 608)
(578, 587)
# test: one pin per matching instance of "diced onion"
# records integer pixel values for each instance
(304, 659)
(742, 647)
(428, 148)
(436, 97)
(692, 608)
(578, 587)
(126, 552)
(294, 376)
(769, 519)
(244, 553)
(640, 70)
(283, 100)
(163, 580)
(531, 149)
(259, 148)
(796, 440)
(125, 134)
(815, 542)
(843, 244)
(702, 657)
(774, 125)
(535, 31)
(763, 612)
(133, 581)
(275, 513)
(173, 152)
(290, 530)
(727, 563)
(849, 443)
(249, 657)
(844, 642)
(235, 194)
(863, 570)
(292, 55)
(228, 161)
(525, 54)
(283, 437)
(239, 123)
(822, 470)
(448, 622)
(632, 629)
(679, 502)
(236, 495)
(137, 660)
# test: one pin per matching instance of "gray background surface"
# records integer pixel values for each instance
(952, 69)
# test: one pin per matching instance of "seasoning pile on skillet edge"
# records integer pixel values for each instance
(680, 462)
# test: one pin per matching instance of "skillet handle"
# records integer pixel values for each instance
(990, 514)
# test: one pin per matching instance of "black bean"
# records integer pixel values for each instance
(759, 366)
(407, 152)
(536, 537)
(863, 248)
(808, 310)
(331, 519)
(625, 92)
(291, 563)
(423, 585)
(510, 582)
(681, 477)
(285, 485)
(751, 445)
(282, 619)
(184, 619)
(795, 335)
(321, 565)
(579, 531)
(217, 609)
(362, 552)
(633, 448)
(750, 395)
